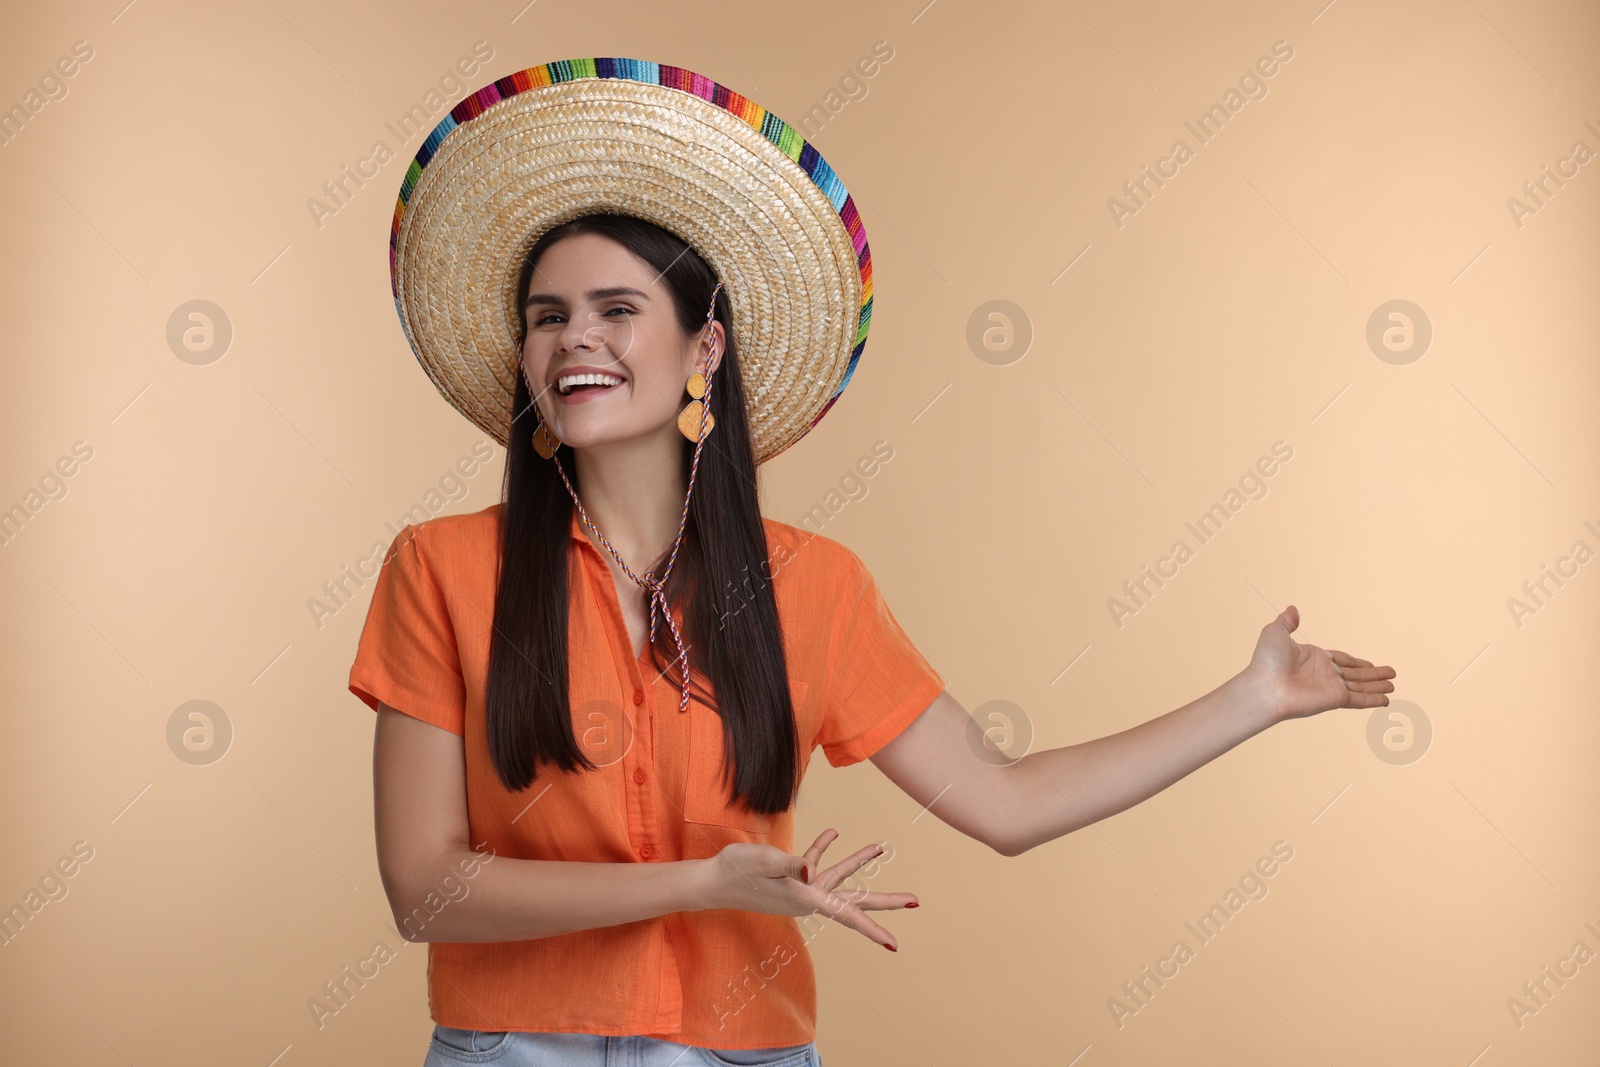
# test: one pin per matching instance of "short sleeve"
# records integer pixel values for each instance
(407, 655)
(878, 682)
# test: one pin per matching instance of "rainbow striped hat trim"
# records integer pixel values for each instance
(571, 137)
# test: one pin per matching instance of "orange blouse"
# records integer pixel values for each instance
(718, 978)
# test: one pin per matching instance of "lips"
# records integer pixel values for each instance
(582, 393)
(579, 392)
(600, 375)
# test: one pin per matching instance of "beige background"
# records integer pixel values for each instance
(1229, 312)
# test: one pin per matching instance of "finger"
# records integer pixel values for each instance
(1367, 674)
(1360, 668)
(1289, 617)
(849, 865)
(824, 839)
(813, 856)
(847, 914)
(875, 901)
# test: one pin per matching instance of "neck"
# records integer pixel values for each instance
(633, 492)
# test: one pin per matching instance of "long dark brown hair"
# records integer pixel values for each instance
(724, 545)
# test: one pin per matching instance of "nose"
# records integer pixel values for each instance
(583, 332)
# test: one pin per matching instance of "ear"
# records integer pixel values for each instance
(708, 356)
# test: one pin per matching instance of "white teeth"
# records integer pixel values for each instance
(565, 383)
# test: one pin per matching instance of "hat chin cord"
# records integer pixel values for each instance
(694, 422)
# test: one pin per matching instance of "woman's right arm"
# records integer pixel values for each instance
(439, 889)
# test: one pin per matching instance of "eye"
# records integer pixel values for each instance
(553, 316)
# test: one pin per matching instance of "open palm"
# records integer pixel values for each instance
(1305, 680)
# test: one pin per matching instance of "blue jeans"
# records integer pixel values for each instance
(516, 1048)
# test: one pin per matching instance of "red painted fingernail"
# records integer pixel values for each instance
(913, 904)
(891, 948)
(805, 873)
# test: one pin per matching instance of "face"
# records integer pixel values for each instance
(593, 307)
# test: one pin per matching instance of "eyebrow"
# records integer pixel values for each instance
(593, 294)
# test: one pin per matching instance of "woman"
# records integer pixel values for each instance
(596, 699)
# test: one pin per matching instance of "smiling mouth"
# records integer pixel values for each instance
(567, 385)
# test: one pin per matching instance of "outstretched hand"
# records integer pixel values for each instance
(1304, 680)
(761, 878)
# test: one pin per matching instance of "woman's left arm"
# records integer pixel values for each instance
(1046, 795)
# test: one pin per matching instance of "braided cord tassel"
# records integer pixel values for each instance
(657, 586)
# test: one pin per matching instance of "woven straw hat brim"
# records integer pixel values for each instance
(531, 151)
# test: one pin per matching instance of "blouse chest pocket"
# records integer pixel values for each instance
(707, 798)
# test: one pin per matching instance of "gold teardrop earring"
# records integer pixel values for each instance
(699, 385)
(544, 439)
(689, 417)
(545, 442)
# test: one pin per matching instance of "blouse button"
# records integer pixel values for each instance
(647, 851)
(638, 697)
(639, 775)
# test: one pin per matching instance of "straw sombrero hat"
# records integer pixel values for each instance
(568, 138)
